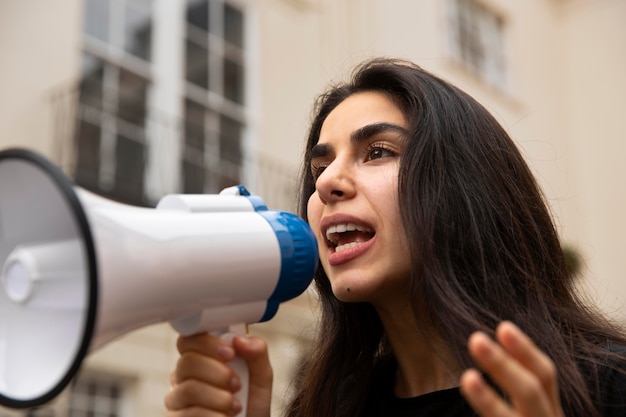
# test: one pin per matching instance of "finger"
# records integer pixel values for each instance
(254, 351)
(524, 388)
(206, 344)
(192, 365)
(483, 399)
(522, 348)
(192, 394)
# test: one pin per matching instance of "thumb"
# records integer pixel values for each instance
(254, 351)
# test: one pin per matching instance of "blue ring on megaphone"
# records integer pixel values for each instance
(67, 191)
(257, 202)
(299, 257)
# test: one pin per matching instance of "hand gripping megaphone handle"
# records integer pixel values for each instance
(239, 366)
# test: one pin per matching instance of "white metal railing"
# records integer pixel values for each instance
(272, 179)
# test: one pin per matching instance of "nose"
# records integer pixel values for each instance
(335, 183)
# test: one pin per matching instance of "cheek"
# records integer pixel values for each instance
(314, 209)
(314, 214)
(387, 197)
(384, 183)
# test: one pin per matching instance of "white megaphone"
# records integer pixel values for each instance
(79, 270)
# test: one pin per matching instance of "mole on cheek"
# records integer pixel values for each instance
(348, 289)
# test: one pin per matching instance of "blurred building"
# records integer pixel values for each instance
(135, 99)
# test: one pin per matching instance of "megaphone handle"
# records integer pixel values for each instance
(239, 366)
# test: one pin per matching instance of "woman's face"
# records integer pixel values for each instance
(354, 210)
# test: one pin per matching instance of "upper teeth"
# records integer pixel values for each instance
(344, 227)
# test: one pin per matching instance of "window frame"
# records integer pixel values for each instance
(481, 48)
(121, 405)
(213, 99)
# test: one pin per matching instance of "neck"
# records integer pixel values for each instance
(425, 364)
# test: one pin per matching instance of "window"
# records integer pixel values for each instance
(96, 396)
(477, 38)
(123, 24)
(121, 121)
(214, 95)
(112, 112)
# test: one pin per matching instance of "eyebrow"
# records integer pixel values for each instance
(370, 130)
(358, 136)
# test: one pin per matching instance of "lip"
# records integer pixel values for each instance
(346, 255)
(339, 258)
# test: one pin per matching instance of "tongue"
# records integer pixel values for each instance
(355, 236)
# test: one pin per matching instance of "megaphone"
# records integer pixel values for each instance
(79, 270)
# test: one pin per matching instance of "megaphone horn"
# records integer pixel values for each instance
(79, 270)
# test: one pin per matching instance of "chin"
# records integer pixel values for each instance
(348, 293)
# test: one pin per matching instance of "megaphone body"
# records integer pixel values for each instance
(79, 270)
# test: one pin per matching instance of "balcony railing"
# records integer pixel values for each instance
(89, 142)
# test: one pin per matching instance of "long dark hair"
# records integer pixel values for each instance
(484, 247)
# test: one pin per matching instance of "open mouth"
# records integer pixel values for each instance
(344, 236)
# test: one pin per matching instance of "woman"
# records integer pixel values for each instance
(434, 239)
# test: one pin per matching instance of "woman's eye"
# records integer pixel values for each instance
(378, 152)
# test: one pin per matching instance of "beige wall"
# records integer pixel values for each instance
(40, 43)
(594, 103)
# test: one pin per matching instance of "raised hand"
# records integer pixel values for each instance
(519, 368)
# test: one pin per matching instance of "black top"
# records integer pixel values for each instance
(445, 403)
(451, 403)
